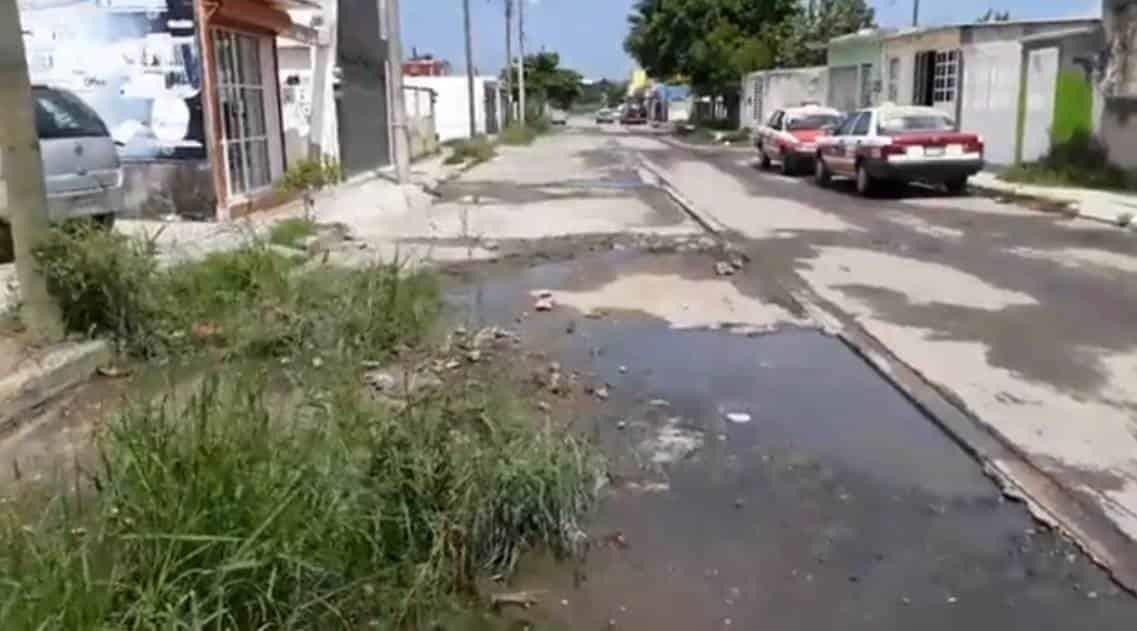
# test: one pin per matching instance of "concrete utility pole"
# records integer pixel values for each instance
(915, 12)
(508, 61)
(470, 69)
(521, 60)
(402, 144)
(21, 178)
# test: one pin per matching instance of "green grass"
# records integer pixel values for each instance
(474, 151)
(517, 135)
(1080, 162)
(280, 495)
(250, 302)
(222, 513)
(291, 232)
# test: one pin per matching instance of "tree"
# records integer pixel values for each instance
(804, 38)
(547, 81)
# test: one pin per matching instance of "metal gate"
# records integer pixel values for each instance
(1041, 87)
(990, 97)
(843, 91)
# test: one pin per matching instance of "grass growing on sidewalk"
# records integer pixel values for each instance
(476, 150)
(250, 302)
(1081, 162)
(290, 232)
(337, 514)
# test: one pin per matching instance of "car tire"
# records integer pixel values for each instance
(866, 185)
(958, 186)
(763, 160)
(821, 173)
(789, 165)
(7, 247)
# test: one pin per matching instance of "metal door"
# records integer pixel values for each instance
(1041, 88)
(990, 97)
(843, 88)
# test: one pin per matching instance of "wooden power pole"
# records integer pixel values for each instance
(470, 69)
(915, 12)
(521, 60)
(508, 61)
(21, 178)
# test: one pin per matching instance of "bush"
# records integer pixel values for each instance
(476, 150)
(248, 302)
(335, 514)
(1081, 161)
(518, 135)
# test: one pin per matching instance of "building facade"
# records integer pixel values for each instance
(1118, 126)
(426, 66)
(765, 91)
(854, 69)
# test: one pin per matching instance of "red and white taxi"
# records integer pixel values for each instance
(790, 134)
(899, 144)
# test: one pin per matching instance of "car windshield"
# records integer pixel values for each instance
(812, 121)
(62, 115)
(902, 123)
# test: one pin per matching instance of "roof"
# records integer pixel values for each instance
(863, 34)
(1064, 33)
(806, 110)
(921, 30)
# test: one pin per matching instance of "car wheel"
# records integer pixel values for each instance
(957, 186)
(763, 160)
(789, 165)
(7, 248)
(865, 182)
(821, 173)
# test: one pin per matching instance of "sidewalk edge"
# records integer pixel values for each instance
(48, 374)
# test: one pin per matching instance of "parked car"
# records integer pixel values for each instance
(633, 115)
(558, 117)
(790, 135)
(900, 145)
(82, 174)
(605, 115)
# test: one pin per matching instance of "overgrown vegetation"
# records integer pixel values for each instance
(309, 177)
(282, 494)
(247, 302)
(470, 150)
(229, 512)
(1079, 162)
(291, 232)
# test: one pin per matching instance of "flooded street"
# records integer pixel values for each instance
(762, 475)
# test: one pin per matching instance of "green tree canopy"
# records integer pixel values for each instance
(548, 81)
(713, 43)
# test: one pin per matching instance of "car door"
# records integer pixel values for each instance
(770, 133)
(858, 141)
(837, 154)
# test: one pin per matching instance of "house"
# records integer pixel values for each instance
(452, 104)
(190, 91)
(308, 50)
(765, 91)
(425, 66)
(1021, 85)
(1118, 85)
(854, 75)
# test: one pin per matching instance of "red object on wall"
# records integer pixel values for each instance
(426, 67)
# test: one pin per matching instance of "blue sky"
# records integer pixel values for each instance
(588, 34)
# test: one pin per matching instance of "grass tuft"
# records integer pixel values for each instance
(290, 232)
(1080, 162)
(476, 150)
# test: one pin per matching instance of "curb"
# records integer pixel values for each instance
(1070, 207)
(1046, 498)
(46, 374)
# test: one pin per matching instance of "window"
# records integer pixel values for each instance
(61, 114)
(775, 121)
(861, 127)
(242, 98)
(866, 85)
(915, 122)
(945, 76)
(812, 121)
(846, 128)
(893, 79)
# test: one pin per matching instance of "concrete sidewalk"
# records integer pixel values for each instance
(1108, 206)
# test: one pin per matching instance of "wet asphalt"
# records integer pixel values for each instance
(828, 502)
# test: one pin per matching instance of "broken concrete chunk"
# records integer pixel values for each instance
(543, 304)
(723, 268)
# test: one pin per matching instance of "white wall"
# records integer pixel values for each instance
(780, 88)
(451, 109)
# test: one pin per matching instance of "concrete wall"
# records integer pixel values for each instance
(163, 187)
(1118, 88)
(768, 90)
(451, 108)
(848, 61)
(364, 128)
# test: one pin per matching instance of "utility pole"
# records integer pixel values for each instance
(915, 12)
(508, 61)
(395, 82)
(470, 69)
(521, 59)
(21, 178)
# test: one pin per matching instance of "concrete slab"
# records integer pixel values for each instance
(32, 377)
